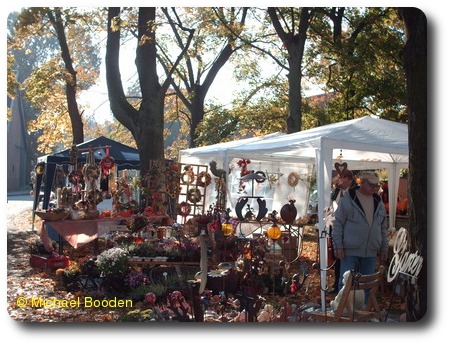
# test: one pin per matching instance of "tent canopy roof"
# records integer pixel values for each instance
(125, 157)
(222, 148)
(366, 141)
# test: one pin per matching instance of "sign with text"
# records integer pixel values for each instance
(404, 261)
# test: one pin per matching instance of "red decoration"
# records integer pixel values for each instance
(107, 163)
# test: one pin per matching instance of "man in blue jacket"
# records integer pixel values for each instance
(345, 182)
(359, 227)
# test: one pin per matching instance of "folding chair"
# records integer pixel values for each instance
(345, 311)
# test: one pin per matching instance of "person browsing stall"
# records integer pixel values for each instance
(345, 181)
(359, 227)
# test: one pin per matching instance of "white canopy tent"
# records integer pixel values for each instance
(363, 143)
(227, 156)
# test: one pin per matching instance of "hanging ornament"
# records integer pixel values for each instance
(274, 232)
(293, 179)
(107, 163)
(263, 176)
(289, 212)
(340, 168)
(40, 168)
(227, 229)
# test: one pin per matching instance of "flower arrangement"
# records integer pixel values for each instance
(137, 223)
(168, 247)
(133, 280)
(146, 249)
(113, 261)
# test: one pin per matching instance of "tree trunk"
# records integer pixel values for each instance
(147, 123)
(415, 64)
(197, 109)
(294, 119)
(295, 46)
(71, 85)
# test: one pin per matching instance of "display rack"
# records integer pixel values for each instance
(194, 182)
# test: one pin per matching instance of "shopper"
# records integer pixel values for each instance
(359, 227)
(345, 181)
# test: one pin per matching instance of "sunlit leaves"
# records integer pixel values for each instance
(359, 58)
(45, 87)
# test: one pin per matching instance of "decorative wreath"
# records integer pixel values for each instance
(194, 196)
(260, 180)
(293, 179)
(184, 209)
(188, 175)
(340, 168)
(203, 179)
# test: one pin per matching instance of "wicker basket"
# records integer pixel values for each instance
(52, 216)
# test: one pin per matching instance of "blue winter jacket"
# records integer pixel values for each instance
(352, 232)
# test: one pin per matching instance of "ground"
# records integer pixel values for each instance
(25, 281)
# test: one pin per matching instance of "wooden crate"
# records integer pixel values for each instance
(49, 261)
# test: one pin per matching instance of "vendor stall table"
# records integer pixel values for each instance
(163, 263)
(80, 232)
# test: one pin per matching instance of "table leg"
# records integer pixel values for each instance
(60, 244)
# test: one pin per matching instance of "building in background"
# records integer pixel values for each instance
(17, 157)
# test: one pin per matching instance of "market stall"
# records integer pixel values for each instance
(125, 157)
(364, 143)
(239, 206)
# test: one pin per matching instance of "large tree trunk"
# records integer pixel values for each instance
(147, 123)
(71, 85)
(415, 64)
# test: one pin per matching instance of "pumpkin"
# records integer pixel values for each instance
(402, 206)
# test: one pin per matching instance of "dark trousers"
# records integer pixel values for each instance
(337, 274)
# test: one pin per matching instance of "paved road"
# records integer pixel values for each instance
(18, 205)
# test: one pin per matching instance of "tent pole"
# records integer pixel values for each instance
(324, 169)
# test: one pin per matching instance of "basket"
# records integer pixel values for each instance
(52, 216)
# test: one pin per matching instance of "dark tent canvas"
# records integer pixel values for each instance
(125, 157)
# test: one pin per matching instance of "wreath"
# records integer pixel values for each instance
(203, 179)
(184, 209)
(293, 179)
(262, 179)
(194, 196)
(188, 175)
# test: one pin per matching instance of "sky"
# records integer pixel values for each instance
(95, 100)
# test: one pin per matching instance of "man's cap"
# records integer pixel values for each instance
(370, 176)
